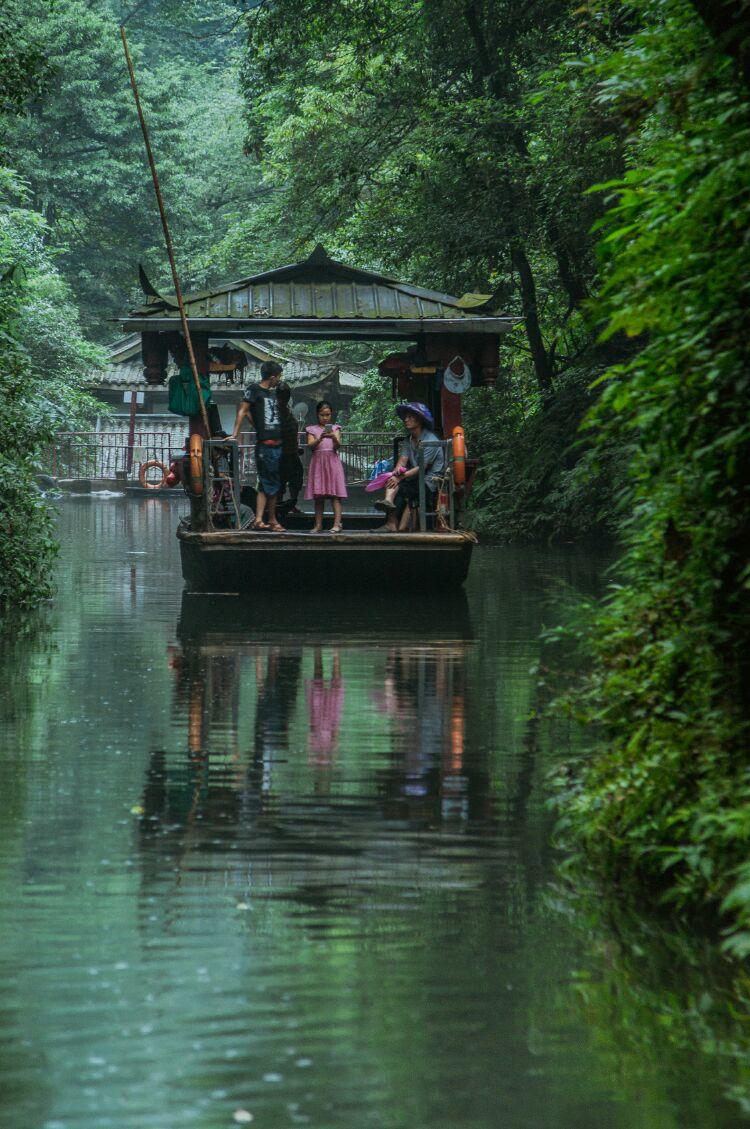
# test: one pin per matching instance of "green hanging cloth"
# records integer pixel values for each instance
(183, 397)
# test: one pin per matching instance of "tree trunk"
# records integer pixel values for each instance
(539, 354)
(573, 284)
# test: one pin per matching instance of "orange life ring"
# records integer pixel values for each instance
(145, 467)
(459, 456)
(195, 465)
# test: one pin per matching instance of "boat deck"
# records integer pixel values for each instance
(237, 561)
(292, 538)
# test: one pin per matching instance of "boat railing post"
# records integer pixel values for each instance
(208, 481)
(422, 491)
(448, 448)
(234, 480)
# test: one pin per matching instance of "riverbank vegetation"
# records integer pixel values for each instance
(663, 803)
(42, 349)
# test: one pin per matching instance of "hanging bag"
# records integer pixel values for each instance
(183, 397)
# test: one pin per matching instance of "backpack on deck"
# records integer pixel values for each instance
(183, 397)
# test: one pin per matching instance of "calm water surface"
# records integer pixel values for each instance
(289, 859)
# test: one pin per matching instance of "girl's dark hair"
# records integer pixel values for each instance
(283, 394)
(323, 404)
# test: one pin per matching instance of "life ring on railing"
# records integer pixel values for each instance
(459, 456)
(195, 465)
(145, 468)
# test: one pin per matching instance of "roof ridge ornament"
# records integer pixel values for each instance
(146, 286)
(481, 303)
(319, 256)
(150, 290)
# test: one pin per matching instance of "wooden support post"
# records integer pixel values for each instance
(131, 430)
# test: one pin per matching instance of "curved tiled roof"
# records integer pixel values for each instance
(319, 288)
(125, 368)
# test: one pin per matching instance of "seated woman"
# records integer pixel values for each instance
(402, 488)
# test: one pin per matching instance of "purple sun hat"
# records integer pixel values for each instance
(416, 409)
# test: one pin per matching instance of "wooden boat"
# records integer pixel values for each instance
(220, 554)
(244, 561)
(324, 300)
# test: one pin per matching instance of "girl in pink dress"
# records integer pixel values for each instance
(325, 475)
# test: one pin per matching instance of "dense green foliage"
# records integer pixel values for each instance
(420, 137)
(43, 356)
(538, 478)
(41, 361)
(80, 147)
(666, 798)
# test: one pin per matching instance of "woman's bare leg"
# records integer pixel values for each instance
(318, 515)
(337, 512)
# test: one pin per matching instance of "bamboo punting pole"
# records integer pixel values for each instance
(167, 237)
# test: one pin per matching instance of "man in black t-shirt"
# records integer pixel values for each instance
(259, 402)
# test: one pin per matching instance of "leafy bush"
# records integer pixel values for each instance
(43, 362)
(666, 802)
(372, 408)
(537, 477)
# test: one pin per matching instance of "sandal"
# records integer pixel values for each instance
(258, 525)
(336, 528)
(276, 527)
(317, 529)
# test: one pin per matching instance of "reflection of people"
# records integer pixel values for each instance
(324, 706)
(260, 403)
(402, 488)
(180, 795)
(207, 690)
(424, 694)
(277, 696)
(325, 475)
(292, 471)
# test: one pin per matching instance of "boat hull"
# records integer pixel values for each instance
(227, 561)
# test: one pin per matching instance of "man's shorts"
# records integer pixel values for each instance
(268, 463)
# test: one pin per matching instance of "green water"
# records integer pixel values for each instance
(290, 858)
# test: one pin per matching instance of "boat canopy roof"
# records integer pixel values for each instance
(320, 298)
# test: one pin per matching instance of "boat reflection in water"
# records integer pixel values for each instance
(311, 749)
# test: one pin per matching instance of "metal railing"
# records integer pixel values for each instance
(103, 454)
(359, 452)
(106, 454)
